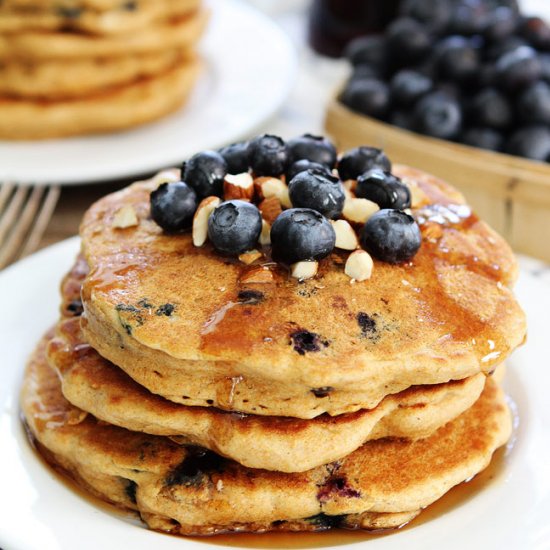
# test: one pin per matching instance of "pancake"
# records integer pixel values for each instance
(66, 4)
(273, 443)
(40, 45)
(188, 490)
(183, 322)
(119, 108)
(123, 18)
(62, 79)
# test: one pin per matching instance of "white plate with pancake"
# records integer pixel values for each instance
(249, 70)
(39, 511)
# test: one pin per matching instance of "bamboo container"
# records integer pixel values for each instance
(511, 193)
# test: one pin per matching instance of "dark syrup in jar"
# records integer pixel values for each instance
(334, 23)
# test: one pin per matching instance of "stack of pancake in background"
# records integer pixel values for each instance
(210, 395)
(83, 66)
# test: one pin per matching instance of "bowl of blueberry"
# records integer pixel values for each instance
(460, 89)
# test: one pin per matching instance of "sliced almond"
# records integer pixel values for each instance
(346, 238)
(304, 270)
(273, 187)
(167, 176)
(348, 194)
(250, 257)
(359, 266)
(358, 211)
(259, 275)
(270, 209)
(350, 185)
(125, 217)
(200, 220)
(238, 186)
(265, 235)
(418, 197)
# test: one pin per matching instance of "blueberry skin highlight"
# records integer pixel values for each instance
(234, 227)
(173, 206)
(313, 148)
(361, 159)
(301, 234)
(383, 188)
(391, 236)
(268, 155)
(320, 192)
(204, 172)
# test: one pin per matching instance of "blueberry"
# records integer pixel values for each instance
(457, 59)
(361, 159)
(303, 165)
(544, 59)
(267, 155)
(383, 188)
(321, 192)
(361, 72)
(500, 47)
(518, 68)
(370, 97)
(531, 142)
(435, 14)
(438, 115)
(205, 172)
(407, 40)
(368, 50)
(407, 86)
(391, 236)
(534, 104)
(503, 22)
(234, 227)
(490, 108)
(301, 234)
(314, 148)
(486, 76)
(402, 119)
(236, 157)
(468, 18)
(484, 138)
(173, 206)
(537, 32)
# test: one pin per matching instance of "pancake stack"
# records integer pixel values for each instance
(216, 394)
(87, 66)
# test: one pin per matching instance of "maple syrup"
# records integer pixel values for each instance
(453, 499)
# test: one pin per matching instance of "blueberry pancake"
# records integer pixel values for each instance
(118, 108)
(282, 444)
(41, 45)
(123, 18)
(188, 490)
(68, 79)
(201, 327)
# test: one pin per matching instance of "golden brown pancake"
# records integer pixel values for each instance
(116, 109)
(281, 444)
(41, 45)
(188, 490)
(183, 322)
(68, 79)
(114, 20)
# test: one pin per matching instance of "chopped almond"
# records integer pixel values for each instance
(200, 220)
(238, 186)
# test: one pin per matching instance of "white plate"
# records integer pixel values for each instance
(249, 71)
(38, 512)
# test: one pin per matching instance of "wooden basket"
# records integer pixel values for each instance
(510, 193)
